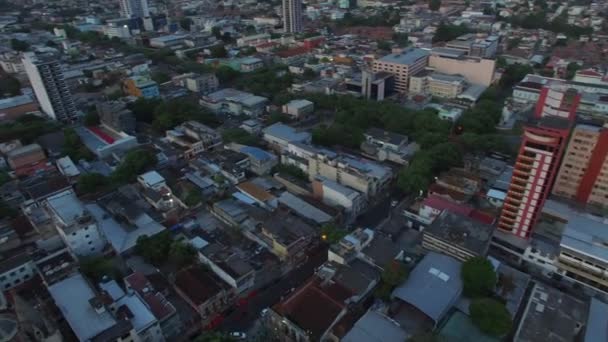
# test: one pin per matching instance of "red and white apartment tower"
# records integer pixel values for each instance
(539, 158)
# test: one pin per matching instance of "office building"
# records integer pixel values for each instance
(474, 46)
(437, 84)
(538, 160)
(46, 78)
(403, 64)
(377, 85)
(134, 8)
(476, 70)
(583, 175)
(292, 16)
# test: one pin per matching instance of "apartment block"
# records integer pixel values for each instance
(403, 64)
(437, 84)
(46, 77)
(583, 175)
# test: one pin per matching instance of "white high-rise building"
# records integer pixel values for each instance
(134, 8)
(46, 78)
(292, 15)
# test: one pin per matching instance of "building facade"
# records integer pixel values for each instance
(402, 65)
(583, 175)
(134, 8)
(452, 61)
(46, 77)
(292, 16)
(538, 160)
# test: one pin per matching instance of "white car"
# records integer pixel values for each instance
(238, 335)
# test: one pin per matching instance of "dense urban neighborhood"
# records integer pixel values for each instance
(304, 170)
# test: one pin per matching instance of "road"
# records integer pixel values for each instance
(243, 318)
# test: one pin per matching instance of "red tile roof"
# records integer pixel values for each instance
(158, 304)
(292, 52)
(197, 284)
(314, 307)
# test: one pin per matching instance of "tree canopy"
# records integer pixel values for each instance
(161, 247)
(19, 45)
(73, 146)
(9, 85)
(478, 277)
(446, 32)
(490, 316)
(134, 163)
(434, 5)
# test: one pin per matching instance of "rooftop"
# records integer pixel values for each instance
(390, 137)
(597, 324)
(198, 284)
(551, 315)
(160, 307)
(287, 133)
(375, 327)
(72, 296)
(303, 208)
(15, 101)
(433, 286)
(66, 206)
(409, 56)
(314, 306)
(461, 230)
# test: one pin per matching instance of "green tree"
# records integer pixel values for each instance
(384, 45)
(154, 249)
(478, 277)
(193, 197)
(134, 163)
(434, 5)
(185, 23)
(214, 336)
(91, 119)
(239, 136)
(393, 274)
(490, 316)
(6, 210)
(571, 70)
(19, 45)
(401, 39)
(96, 268)
(4, 178)
(160, 77)
(447, 32)
(182, 254)
(331, 233)
(9, 85)
(73, 146)
(291, 170)
(91, 182)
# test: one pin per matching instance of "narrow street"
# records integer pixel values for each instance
(243, 318)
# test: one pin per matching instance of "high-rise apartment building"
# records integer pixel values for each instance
(538, 160)
(46, 78)
(403, 64)
(292, 16)
(583, 175)
(134, 8)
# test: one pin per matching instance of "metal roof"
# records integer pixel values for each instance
(597, 322)
(375, 327)
(407, 57)
(434, 285)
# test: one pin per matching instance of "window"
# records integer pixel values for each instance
(22, 269)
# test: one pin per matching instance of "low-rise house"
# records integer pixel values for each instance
(250, 64)
(383, 145)
(287, 236)
(298, 109)
(307, 210)
(375, 326)
(434, 286)
(298, 318)
(228, 164)
(279, 136)
(156, 192)
(458, 236)
(14, 107)
(261, 162)
(15, 269)
(334, 194)
(252, 126)
(235, 102)
(26, 159)
(202, 84)
(208, 295)
(258, 195)
(161, 308)
(141, 86)
(104, 141)
(225, 263)
(193, 138)
(115, 115)
(75, 224)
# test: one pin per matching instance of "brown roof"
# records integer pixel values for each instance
(255, 191)
(158, 304)
(314, 307)
(197, 284)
